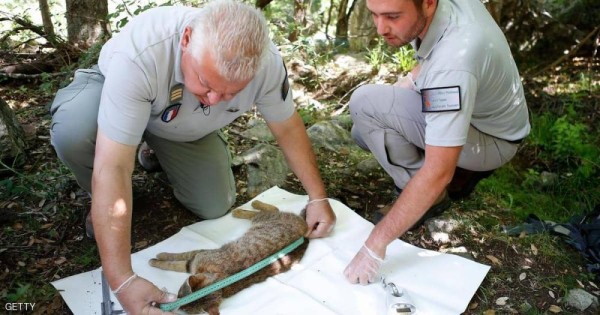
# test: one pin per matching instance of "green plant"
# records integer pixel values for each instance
(567, 142)
(19, 293)
(403, 59)
(309, 114)
(378, 55)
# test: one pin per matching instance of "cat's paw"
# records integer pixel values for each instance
(164, 256)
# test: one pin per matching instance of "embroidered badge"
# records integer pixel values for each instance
(170, 112)
(441, 99)
(176, 94)
(175, 97)
(285, 85)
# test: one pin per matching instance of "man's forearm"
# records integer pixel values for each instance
(295, 144)
(111, 216)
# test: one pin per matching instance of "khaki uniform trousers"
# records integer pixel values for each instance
(388, 121)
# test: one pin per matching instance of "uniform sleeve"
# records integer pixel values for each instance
(275, 102)
(126, 101)
(451, 128)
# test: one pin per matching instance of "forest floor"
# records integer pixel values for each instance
(43, 210)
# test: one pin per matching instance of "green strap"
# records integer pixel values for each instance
(231, 279)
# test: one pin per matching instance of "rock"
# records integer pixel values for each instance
(581, 299)
(258, 131)
(329, 135)
(344, 120)
(369, 165)
(440, 229)
(266, 168)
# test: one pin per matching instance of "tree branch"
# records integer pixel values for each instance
(571, 53)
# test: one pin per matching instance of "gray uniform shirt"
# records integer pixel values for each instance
(141, 65)
(465, 47)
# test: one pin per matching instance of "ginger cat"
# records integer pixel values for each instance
(270, 232)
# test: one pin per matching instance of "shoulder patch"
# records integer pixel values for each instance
(441, 99)
(170, 112)
(176, 94)
(285, 85)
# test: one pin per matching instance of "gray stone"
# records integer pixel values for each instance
(266, 168)
(329, 135)
(581, 299)
(368, 166)
(344, 120)
(440, 229)
(258, 131)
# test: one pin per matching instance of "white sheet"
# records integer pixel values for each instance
(436, 283)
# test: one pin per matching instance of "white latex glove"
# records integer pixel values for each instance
(364, 267)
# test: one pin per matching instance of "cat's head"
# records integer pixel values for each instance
(209, 303)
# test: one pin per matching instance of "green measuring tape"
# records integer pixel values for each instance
(231, 279)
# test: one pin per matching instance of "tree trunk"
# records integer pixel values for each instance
(12, 139)
(299, 19)
(361, 28)
(86, 21)
(341, 28)
(46, 19)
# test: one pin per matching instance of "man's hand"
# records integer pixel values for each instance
(319, 218)
(408, 81)
(142, 297)
(364, 267)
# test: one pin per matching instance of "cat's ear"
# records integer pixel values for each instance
(185, 288)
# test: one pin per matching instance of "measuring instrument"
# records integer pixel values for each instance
(397, 300)
(107, 304)
(231, 279)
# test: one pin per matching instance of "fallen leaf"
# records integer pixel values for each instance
(551, 294)
(593, 284)
(46, 226)
(18, 226)
(41, 203)
(22, 264)
(534, 249)
(141, 244)
(502, 300)
(31, 241)
(72, 195)
(555, 309)
(489, 312)
(522, 276)
(580, 284)
(473, 305)
(526, 267)
(61, 260)
(494, 260)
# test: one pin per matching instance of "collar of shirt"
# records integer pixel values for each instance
(437, 28)
(177, 70)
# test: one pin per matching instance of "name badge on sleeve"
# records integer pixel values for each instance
(441, 99)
